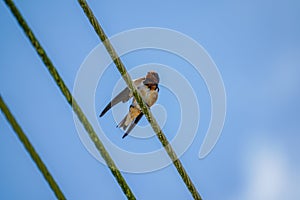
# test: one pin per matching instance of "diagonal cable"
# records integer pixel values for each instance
(30, 149)
(161, 136)
(88, 127)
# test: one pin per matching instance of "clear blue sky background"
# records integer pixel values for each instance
(256, 46)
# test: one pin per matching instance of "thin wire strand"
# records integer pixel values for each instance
(161, 136)
(30, 149)
(57, 78)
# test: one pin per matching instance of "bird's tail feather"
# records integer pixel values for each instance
(122, 123)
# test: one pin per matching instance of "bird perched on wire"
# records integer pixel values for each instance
(148, 88)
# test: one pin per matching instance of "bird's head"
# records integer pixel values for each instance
(152, 78)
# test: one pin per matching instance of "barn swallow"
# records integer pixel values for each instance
(148, 88)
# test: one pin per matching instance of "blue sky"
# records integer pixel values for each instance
(255, 45)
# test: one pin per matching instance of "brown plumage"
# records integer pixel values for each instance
(148, 88)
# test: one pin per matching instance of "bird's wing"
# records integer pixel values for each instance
(138, 81)
(123, 96)
(137, 119)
